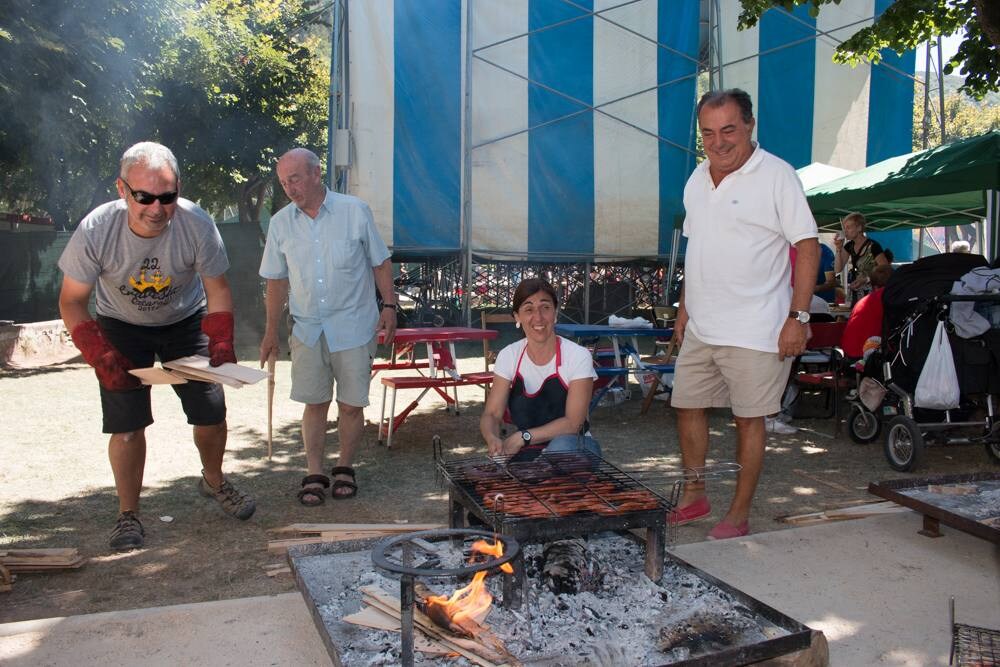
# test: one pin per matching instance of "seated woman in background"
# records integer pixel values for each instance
(860, 255)
(543, 381)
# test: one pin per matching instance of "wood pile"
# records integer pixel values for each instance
(14, 561)
(383, 613)
(40, 560)
(316, 533)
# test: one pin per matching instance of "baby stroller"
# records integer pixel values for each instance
(916, 298)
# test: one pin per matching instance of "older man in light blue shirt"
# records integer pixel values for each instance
(324, 256)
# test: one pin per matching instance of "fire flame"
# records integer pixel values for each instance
(469, 602)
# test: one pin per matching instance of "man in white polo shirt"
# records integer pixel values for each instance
(740, 322)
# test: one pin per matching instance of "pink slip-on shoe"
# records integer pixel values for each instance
(723, 531)
(699, 509)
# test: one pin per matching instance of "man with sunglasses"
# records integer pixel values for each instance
(158, 265)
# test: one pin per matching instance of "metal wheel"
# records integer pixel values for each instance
(863, 426)
(904, 445)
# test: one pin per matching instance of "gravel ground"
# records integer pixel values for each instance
(57, 488)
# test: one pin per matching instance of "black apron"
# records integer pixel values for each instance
(528, 411)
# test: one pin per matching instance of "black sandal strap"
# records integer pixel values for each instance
(342, 470)
(316, 479)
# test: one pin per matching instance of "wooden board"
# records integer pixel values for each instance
(372, 617)
(157, 375)
(317, 528)
(232, 375)
(467, 648)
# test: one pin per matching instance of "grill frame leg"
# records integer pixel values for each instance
(656, 549)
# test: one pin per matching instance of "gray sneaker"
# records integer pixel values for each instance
(233, 501)
(128, 533)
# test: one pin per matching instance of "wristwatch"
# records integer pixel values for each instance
(526, 436)
(800, 315)
(390, 305)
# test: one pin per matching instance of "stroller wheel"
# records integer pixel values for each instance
(993, 449)
(863, 426)
(904, 446)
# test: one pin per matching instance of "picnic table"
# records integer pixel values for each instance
(623, 354)
(437, 371)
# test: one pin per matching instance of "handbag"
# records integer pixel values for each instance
(937, 387)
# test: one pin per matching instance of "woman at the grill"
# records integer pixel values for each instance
(543, 383)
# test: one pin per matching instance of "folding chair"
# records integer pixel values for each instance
(823, 349)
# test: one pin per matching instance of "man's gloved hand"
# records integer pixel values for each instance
(110, 365)
(219, 328)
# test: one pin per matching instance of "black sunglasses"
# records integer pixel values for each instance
(146, 198)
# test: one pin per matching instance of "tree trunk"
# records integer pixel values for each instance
(988, 12)
(251, 199)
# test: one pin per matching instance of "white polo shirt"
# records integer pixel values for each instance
(737, 274)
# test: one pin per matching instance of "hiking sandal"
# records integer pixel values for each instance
(128, 533)
(351, 486)
(234, 502)
(319, 496)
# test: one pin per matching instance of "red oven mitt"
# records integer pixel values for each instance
(219, 328)
(109, 364)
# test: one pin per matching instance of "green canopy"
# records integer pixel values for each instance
(948, 185)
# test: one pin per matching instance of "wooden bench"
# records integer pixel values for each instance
(425, 383)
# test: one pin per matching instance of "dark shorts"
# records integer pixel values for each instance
(204, 403)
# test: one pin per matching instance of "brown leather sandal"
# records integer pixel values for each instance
(317, 492)
(351, 486)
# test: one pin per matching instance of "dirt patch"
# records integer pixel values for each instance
(58, 490)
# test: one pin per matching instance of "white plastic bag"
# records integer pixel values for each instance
(937, 387)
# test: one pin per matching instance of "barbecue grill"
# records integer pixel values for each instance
(555, 496)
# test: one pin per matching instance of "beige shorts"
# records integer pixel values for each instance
(316, 370)
(720, 376)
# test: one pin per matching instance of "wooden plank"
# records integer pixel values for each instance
(475, 651)
(39, 553)
(373, 617)
(440, 637)
(843, 514)
(356, 527)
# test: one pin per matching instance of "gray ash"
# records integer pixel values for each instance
(625, 619)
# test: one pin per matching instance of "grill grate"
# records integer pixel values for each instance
(972, 645)
(551, 486)
(975, 646)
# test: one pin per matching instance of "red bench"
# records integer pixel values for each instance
(425, 383)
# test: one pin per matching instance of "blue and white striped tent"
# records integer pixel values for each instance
(582, 117)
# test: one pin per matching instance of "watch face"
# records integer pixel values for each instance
(803, 316)
(526, 436)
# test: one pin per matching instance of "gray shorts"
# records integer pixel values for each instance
(316, 370)
(751, 382)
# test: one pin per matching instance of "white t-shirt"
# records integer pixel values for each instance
(737, 272)
(575, 363)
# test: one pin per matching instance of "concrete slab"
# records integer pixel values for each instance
(250, 631)
(874, 587)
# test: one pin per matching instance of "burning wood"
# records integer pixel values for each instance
(464, 610)
(568, 567)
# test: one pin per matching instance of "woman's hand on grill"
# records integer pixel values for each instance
(512, 444)
(494, 446)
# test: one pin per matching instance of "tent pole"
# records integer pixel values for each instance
(467, 170)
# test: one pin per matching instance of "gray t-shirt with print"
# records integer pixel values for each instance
(148, 282)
